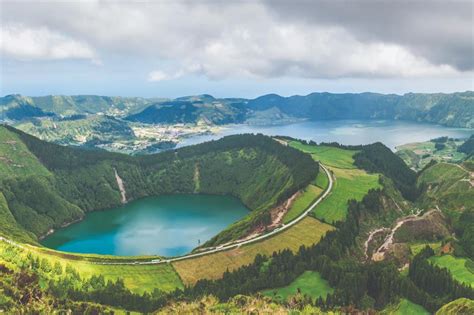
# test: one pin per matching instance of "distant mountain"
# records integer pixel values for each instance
(205, 110)
(456, 109)
(77, 104)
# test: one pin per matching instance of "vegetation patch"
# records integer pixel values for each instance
(348, 184)
(458, 306)
(307, 232)
(15, 158)
(322, 180)
(328, 155)
(405, 307)
(457, 266)
(302, 202)
(415, 248)
(137, 278)
(309, 283)
(447, 186)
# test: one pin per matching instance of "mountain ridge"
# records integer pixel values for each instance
(449, 109)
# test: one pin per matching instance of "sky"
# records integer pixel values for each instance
(171, 48)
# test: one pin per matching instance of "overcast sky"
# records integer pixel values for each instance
(235, 48)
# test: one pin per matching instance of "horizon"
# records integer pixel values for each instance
(230, 97)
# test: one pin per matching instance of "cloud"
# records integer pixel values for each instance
(159, 75)
(25, 43)
(440, 31)
(267, 39)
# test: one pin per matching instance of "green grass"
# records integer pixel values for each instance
(349, 184)
(15, 158)
(330, 156)
(310, 283)
(459, 306)
(322, 180)
(405, 307)
(306, 232)
(8, 225)
(417, 247)
(302, 202)
(137, 278)
(457, 267)
(447, 187)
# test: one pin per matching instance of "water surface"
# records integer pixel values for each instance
(352, 132)
(167, 225)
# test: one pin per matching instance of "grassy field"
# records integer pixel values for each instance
(310, 283)
(213, 266)
(405, 307)
(330, 156)
(350, 182)
(138, 278)
(457, 266)
(322, 180)
(304, 200)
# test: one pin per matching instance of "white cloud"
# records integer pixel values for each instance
(215, 39)
(159, 75)
(24, 43)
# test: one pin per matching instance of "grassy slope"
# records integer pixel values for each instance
(310, 283)
(405, 307)
(15, 158)
(322, 180)
(459, 306)
(350, 182)
(447, 186)
(307, 232)
(304, 200)
(329, 156)
(457, 267)
(8, 225)
(138, 278)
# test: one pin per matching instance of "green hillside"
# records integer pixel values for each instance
(63, 183)
(447, 186)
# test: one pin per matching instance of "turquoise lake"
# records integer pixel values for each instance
(167, 225)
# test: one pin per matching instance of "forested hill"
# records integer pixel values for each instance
(455, 109)
(44, 185)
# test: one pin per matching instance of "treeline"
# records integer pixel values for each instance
(468, 146)
(364, 286)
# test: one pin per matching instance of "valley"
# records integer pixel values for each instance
(341, 178)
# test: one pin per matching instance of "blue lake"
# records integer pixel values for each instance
(167, 225)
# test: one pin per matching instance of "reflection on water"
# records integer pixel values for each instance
(166, 225)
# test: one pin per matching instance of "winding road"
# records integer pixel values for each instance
(220, 248)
